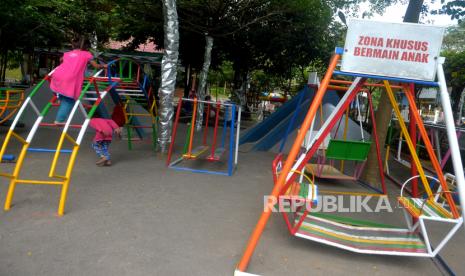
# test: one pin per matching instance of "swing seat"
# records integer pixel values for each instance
(429, 209)
(380, 240)
(328, 171)
(347, 150)
(196, 152)
(343, 150)
(216, 156)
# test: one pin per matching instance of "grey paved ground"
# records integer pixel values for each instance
(139, 218)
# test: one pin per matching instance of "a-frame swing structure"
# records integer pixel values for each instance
(335, 154)
(438, 206)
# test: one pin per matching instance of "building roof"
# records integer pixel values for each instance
(147, 47)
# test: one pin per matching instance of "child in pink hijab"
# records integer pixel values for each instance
(104, 129)
(69, 75)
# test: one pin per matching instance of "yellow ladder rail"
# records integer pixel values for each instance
(408, 139)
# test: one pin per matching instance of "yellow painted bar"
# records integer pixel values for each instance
(21, 139)
(388, 149)
(56, 155)
(11, 188)
(58, 152)
(196, 153)
(191, 138)
(154, 108)
(429, 148)
(6, 175)
(5, 143)
(71, 139)
(413, 152)
(64, 189)
(140, 114)
(45, 182)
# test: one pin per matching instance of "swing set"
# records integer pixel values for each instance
(364, 236)
(344, 150)
(220, 153)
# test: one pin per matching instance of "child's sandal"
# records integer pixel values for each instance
(101, 161)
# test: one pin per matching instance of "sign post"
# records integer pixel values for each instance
(400, 50)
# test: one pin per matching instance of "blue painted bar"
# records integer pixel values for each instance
(48, 150)
(198, 171)
(142, 87)
(429, 83)
(231, 141)
(144, 82)
(8, 157)
(339, 50)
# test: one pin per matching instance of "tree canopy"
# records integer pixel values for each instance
(279, 37)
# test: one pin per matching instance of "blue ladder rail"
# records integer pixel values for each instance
(48, 150)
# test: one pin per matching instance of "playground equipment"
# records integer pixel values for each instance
(345, 150)
(90, 101)
(92, 92)
(218, 152)
(273, 133)
(368, 237)
(436, 131)
(10, 101)
(134, 95)
(279, 125)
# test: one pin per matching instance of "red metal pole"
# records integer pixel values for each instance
(432, 155)
(138, 73)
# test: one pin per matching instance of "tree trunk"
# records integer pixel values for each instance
(413, 12)
(203, 79)
(1, 68)
(383, 114)
(168, 73)
(458, 101)
(237, 79)
(4, 65)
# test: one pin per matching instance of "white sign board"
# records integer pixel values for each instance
(401, 50)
